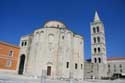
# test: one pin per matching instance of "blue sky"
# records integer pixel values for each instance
(21, 17)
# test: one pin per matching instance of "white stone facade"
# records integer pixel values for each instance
(116, 67)
(98, 44)
(99, 66)
(98, 48)
(54, 51)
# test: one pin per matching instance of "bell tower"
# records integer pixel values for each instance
(98, 48)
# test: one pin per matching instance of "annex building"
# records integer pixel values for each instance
(8, 57)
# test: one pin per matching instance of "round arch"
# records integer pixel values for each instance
(21, 64)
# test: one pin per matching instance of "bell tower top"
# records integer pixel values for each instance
(96, 18)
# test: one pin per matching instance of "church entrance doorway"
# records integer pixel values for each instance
(49, 71)
(21, 64)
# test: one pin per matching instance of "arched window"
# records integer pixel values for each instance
(25, 43)
(97, 28)
(22, 43)
(95, 60)
(99, 60)
(98, 38)
(94, 39)
(99, 50)
(94, 30)
(94, 50)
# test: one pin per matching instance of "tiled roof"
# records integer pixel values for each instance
(5, 43)
(116, 58)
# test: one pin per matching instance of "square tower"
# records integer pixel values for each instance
(98, 47)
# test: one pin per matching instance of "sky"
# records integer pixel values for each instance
(22, 17)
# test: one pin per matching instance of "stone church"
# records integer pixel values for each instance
(53, 51)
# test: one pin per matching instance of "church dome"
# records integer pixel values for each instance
(54, 24)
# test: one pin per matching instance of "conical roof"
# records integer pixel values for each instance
(96, 18)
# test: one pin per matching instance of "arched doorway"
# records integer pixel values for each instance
(21, 64)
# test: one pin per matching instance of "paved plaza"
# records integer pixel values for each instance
(6, 78)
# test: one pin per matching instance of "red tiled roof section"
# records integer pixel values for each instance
(5, 43)
(116, 58)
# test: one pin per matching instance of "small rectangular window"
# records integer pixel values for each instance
(62, 37)
(120, 66)
(10, 53)
(81, 66)
(114, 68)
(49, 71)
(9, 63)
(67, 65)
(75, 65)
(42, 32)
(121, 70)
(108, 65)
(109, 70)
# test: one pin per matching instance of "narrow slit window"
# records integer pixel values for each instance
(67, 64)
(76, 66)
